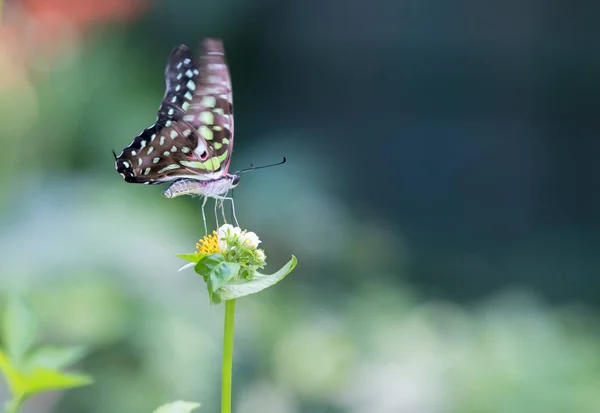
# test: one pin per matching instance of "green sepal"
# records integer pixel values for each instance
(216, 272)
(242, 287)
(177, 407)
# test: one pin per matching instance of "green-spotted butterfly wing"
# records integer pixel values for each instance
(193, 134)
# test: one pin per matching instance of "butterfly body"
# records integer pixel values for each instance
(214, 188)
(191, 142)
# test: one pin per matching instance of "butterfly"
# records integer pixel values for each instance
(191, 142)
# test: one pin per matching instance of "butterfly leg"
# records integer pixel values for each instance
(216, 214)
(204, 216)
(223, 199)
(223, 211)
(233, 212)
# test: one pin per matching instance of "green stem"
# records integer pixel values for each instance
(227, 357)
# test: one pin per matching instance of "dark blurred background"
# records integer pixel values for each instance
(440, 195)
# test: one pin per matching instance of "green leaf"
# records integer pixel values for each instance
(205, 265)
(55, 357)
(43, 380)
(194, 257)
(216, 271)
(242, 287)
(19, 328)
(177, 407)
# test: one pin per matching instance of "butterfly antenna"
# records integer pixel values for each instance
(114, 154)
(252, 167)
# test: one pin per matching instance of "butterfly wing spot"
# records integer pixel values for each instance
(186, 61)
(173, 148)
(207, 117)
(142, 144)
(185, 150)
(189, 73)
(166, 153)
(126, 164)
(173, 134)
(212, 164)
(168, 123)
(179, 76)
(191, 85)
(174, 100)
(179, 65)
(185, 106)
(162, 140)
(171, 111)
(133, 153)
(155, 160)
(140, 161)
(146, 171)
(177, 88)
(206, 133)
(213, 90)
(188, 96)
(169, 168)
(208, 101)
(150, 149)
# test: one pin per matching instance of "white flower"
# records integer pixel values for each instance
(229, 232)
(226, 231)
(260, 254)
(249, 239)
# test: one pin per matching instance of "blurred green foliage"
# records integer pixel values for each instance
(345, 334)
(28, 370)
(177, 407)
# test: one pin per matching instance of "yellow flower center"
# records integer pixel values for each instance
(209, 244)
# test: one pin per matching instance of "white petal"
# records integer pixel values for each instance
(224, 230)
(228, 230)
(250, 239)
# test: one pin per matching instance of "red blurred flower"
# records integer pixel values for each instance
(82, 13)
(34, 28)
